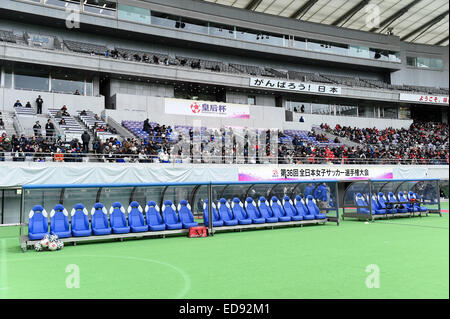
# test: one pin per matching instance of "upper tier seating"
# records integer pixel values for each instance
(85, 47)
(37, 223)
(80, 221)
(59, 222)
(72, 129)
(7, 36)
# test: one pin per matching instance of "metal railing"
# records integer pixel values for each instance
(9, 156)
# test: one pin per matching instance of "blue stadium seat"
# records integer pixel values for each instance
(360, 203)
(376, 206)
(59, 222)
(417, 199)
(290, 210)
(136, 218)
(226, 214)
(216, 220)
(266, 211)
(409, 206)
(302, 210)
(80, 221)
(170, 216)
(37, 223)
(313, 209)
(393, 201)
(99, 220)
(185, 213)
(118, 219)
(253, 212)
(239, 212)
(384, 204)
(278, 210)
(153, 217)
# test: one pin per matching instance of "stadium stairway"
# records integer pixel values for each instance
(9, 123)
(84, 127)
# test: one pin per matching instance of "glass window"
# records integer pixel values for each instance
(103, 7)
(328, 47)
(66, 83)
(323, 109)
(411, 61)
(89, 88)
(31, 80)
(221, 30)
(134, 14)
(404, 113)
(300, 43)
(248, 35)
(366, 111)
(7, 78)
(298, 107)
(389, 112)
(358, 51)
(71, 4)
(347, 110)
(193, 25)
(252, 100)
(164, 19)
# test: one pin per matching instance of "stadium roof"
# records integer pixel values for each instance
(417, 21)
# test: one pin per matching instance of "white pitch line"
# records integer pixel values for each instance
(3, 268)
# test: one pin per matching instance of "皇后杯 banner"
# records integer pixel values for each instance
(205, 108)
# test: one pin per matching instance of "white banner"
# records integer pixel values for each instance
(311, 172)
(424, 98)
(295, 86)
(204, 108)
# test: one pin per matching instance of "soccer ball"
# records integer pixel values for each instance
(52, 246)
(59, 245)
(38, 246)
(53, 238)
(45, 242)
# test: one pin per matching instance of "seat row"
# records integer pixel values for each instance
(236, 213)
(152, 218)
(411, 203)
(102, 224)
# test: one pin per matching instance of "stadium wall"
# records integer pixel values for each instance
(51, 100)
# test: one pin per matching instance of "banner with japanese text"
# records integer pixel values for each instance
(295, 86)
(424, 98)
(310, 172)
(205, 108)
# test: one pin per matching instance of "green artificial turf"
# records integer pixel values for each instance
(321, 261)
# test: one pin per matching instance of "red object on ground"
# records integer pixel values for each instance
(199, 231)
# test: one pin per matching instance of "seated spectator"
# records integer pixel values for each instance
(92, 53)
(145, 58)
(155, 59)
(301, 119)
(28, 104)
(17, 104)
(137, 57)
(77, 92)
(83, 113)
(62, 122)
(2, 124)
